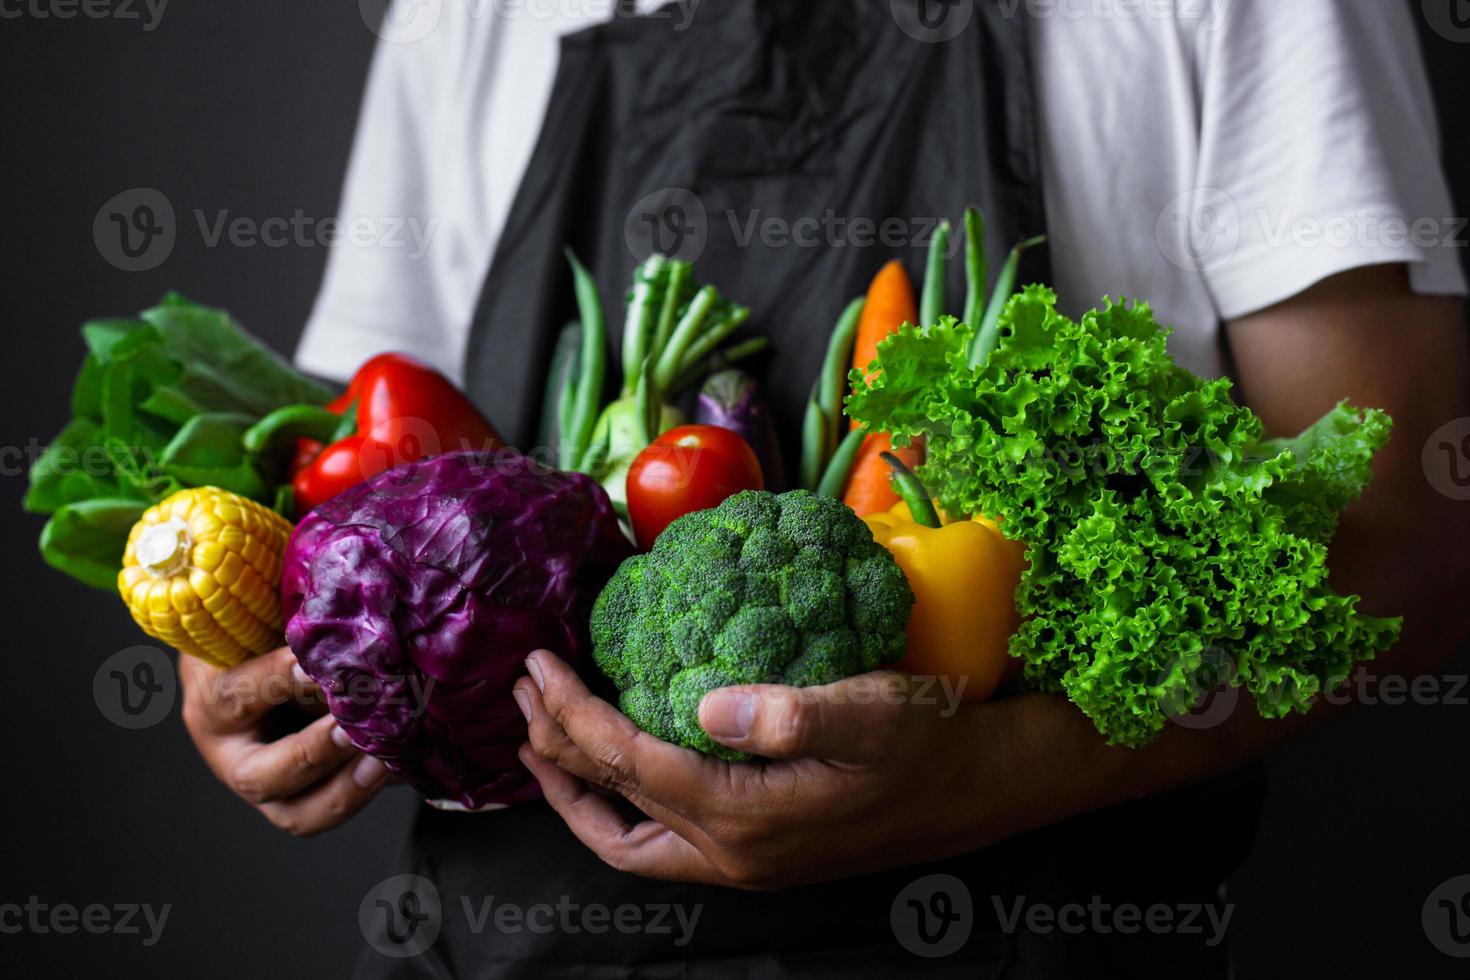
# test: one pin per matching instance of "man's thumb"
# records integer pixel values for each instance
(850, 719)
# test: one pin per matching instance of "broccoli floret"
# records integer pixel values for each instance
(763, 589)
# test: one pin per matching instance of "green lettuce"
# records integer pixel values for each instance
(1171, 546)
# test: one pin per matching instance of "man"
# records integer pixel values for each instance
(1255, 170)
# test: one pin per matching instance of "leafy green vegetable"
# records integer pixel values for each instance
(1163, 533)
(160, 403)
(789, 589)
(86, 539)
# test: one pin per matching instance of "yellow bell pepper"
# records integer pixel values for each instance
(964, 576)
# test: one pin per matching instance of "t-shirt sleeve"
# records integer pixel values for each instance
(1319, 147)
(379, 291)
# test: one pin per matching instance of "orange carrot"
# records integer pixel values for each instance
(890, 305)
(870, 488)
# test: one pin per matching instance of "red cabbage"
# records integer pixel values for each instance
(414, 598)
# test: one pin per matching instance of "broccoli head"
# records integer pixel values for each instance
(763, 589)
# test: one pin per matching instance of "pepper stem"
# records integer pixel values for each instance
(913, 492)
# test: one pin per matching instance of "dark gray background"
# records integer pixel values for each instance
(251, 107)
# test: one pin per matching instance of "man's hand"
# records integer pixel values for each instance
(306, 782)
(859, 776)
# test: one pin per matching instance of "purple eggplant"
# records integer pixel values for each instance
(731, 399)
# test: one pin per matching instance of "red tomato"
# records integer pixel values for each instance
(690, 468)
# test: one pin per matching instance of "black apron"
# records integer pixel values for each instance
(790, 148)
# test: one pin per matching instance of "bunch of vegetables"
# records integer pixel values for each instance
(1162, 530)
(161, 404)
(671, 340)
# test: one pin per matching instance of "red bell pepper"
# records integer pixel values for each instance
(406, 411)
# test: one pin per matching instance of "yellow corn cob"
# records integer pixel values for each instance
(202, 573)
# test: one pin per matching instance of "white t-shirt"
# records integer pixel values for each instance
(1213, 157)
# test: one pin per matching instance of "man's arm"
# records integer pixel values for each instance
(863, 783)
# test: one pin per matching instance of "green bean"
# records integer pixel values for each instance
(912, 490)
(723, 358)
(679, 273)
(714, 335)
(988, 334)
(593, 359)
(834, 480)
(975, 267)
(647, 409)
(933, 301)
(639, 325)
(834, 367)
(683, 336)
(813, 443)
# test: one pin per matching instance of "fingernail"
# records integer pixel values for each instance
(300, 676)
(369, 772)
(523, 702)
(340, 737)
(728, 714)
(533, 666)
